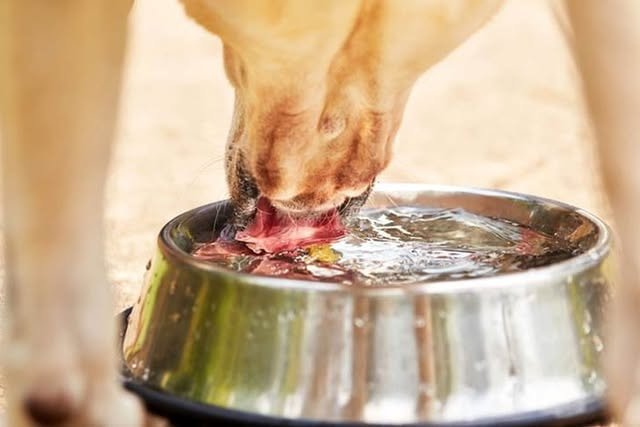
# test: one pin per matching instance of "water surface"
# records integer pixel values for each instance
(405, 245)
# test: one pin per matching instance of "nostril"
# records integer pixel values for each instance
(49, 407)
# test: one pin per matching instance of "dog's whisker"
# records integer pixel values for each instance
(215, 222)
(198, 173)
(390, 199)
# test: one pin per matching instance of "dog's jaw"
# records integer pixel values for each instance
(245, 194)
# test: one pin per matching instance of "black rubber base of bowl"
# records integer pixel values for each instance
(186, 413)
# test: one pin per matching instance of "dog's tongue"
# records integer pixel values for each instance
(272, 231)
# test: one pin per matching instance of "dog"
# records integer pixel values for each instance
(320, 92)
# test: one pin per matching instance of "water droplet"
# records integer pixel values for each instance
(426, 389)
(597, 343)
(420, 322)
(436, 406)
(359, 322)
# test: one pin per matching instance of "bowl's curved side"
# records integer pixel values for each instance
(441, 352)
(355, 357)
(183, 412)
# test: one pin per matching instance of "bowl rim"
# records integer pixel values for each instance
(530, 277)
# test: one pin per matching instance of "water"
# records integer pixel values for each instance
(406, 245)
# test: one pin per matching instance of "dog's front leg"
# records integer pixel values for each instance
(607, 47)
(61, 66)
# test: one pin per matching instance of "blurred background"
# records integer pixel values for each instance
(503, 111)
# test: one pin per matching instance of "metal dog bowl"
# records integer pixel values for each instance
(514, 348)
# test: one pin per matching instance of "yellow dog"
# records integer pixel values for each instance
(320, 91)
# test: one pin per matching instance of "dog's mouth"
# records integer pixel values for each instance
(273, 231)
(270, 230)
(266, 228)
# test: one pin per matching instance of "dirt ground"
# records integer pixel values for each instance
(502, 111)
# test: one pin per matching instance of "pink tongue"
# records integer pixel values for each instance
(272, 231)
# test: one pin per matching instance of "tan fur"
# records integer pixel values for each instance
(61, 63)
(320, 92)
(320, 96)
(606, 41)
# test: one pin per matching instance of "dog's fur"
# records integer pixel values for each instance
(320, 92)
(320, 95)
(606, 42)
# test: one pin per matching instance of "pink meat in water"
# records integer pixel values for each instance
(272, 231)
(220, 250)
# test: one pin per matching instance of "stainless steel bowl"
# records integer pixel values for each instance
(494, 348)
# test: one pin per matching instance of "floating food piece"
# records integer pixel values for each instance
(220, 249)
(323, 253)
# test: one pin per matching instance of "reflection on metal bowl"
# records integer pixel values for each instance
(489, 348)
